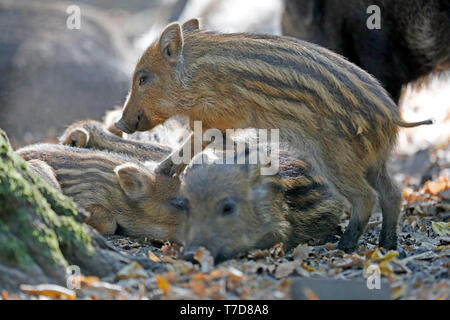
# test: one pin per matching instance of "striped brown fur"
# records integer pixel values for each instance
(295, 206)
(92, 134)
(322, 104)
(121, 194)
(43, 170)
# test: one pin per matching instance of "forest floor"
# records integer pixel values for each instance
(419, 269)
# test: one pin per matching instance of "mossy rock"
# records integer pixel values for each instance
(42, 231)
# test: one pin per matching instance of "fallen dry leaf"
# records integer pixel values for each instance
(285, 284)
(349, 261)
(197, 283)
(285, 269)
(386, 269)
(102, 290)
(234, 275)
(215, 291)
(385, 263)
(307, 268)
(171, 249)
(198, 287)
(377, 256)
(153, 257)
(204, 258)
(199, 276)
(301, 252)
(409, 195)
(235, 272)
(408, 192)
(258, 254)
(441, 228)
(49, 290)
(216, 274)
(429, 191)
(398, 290)
(169, 259)
(183, 267)
(162, 284)
(246, 292)
(170, 276)
(434, 187)
(277, 251)
(131, 271)
(84, 280)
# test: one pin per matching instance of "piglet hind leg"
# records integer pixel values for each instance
(363, 203)
(193, 145)
(389, 197)
(169, 168)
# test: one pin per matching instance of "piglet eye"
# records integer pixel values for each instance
(168, 52)
(143, 80)
(228, 207)
(180, 204)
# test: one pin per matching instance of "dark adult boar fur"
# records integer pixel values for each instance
(414, 39)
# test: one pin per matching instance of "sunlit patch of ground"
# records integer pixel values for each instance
(430, 100)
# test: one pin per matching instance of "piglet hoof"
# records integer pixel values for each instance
(168, 168)
(78, 137)
(346, 246)
(388, 243)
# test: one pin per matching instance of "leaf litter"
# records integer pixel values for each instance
(419, 269)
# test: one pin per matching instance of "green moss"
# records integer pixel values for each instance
(71, 233)
(34, 217)
(13, 250)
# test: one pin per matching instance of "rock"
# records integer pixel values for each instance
(52, 75)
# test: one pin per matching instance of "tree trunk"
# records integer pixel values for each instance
(42, 231)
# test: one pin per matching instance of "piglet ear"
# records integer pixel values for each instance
(78, 137)
(132, 179)
(191, 25)
(171, 42)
